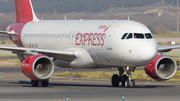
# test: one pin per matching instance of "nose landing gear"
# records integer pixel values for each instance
(126, 80)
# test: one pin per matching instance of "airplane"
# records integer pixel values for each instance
(85, 44)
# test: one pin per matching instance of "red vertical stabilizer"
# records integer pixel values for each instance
(24, 11)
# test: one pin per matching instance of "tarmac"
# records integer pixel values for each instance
(14, 86)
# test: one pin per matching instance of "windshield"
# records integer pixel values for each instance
(129, 36)
(137, 36)
(148, 36)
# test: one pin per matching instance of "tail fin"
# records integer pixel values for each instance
(24, 11)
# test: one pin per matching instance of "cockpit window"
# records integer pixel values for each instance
(148, 36)
(129, 36)
(124, 36)
(138, 36)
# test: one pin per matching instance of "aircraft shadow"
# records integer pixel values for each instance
(28, 84)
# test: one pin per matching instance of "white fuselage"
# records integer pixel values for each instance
(96, 43)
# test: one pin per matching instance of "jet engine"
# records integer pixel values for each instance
(38, 67)
(162, 68)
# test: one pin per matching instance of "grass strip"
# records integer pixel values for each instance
(10, 63)
(8, 55)
(167, 34)
(138, 75)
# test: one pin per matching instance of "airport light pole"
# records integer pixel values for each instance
(177, 17)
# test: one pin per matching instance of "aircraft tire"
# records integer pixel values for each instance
(127, 83)
(132, 83)
(124, 78)
(45, 83)
(115, 80)
(34, 83)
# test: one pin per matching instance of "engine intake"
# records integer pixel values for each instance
(162, 68)
(38, 67)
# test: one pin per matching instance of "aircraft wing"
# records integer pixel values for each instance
(167, 48)
(60, 54)
(67, 55)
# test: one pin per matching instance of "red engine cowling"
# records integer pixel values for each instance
(162, 68)
(37, 67)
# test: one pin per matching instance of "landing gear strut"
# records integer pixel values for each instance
(126, 80)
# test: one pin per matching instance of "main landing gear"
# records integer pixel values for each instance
(44, 83)
(126, 80)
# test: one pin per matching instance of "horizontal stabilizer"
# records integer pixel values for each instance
(8, 33)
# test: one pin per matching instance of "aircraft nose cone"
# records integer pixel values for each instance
(148, 52)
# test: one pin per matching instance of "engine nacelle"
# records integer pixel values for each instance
(162, 68)
(38, 67)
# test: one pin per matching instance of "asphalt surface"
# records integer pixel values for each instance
(14, 86)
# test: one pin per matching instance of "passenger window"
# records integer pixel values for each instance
(148, 36)
(124, 36)
(129, 36)
(138, 36)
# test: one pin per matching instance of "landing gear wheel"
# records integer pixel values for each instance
(45, 83)
(127, 83)
(115, 80)
(34, 83)
(132, 84)
(124, 78)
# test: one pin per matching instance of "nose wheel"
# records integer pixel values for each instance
(126, 80)
(115, 80)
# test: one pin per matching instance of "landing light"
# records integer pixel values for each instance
(127, 68)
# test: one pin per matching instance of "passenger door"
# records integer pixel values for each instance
(110, 37)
